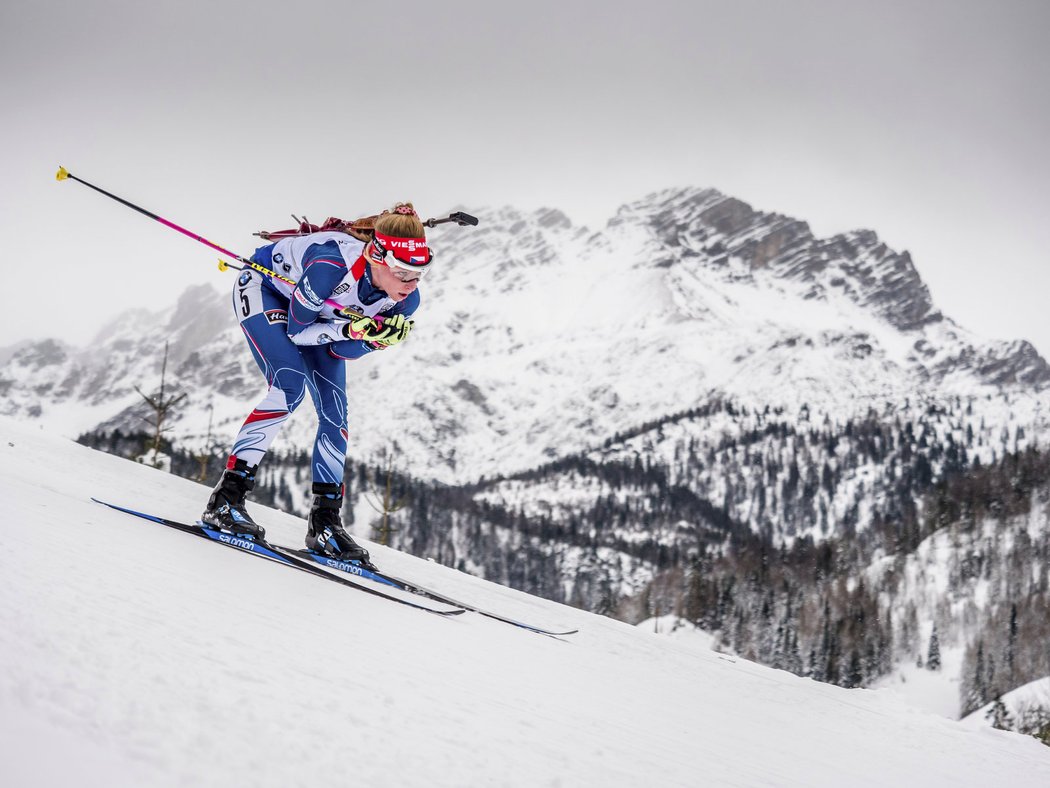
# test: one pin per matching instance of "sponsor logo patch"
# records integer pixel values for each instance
(276, 316)
(303, 300)
(311, 296)
(408, 244)
(244, 278)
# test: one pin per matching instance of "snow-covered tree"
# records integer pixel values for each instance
(933, 653)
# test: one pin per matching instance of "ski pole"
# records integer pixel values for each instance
(459, 217)
(64, 174)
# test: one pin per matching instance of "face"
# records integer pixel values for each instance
(385, 279)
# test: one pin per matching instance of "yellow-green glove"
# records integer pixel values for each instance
(359, 327)
(380, 331)
(394, 329)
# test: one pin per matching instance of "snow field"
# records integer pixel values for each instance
(131, 654)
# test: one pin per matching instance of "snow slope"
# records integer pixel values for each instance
(1034, 694)
(131, 654)
(935, 691)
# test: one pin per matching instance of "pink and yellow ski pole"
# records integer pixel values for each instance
(64, 174)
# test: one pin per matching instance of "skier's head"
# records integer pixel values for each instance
(398, 252)
(401, 221)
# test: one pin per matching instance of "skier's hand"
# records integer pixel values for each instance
(395, 328)
(359, 327)
(387, 332)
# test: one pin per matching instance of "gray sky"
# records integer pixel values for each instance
(925, 121)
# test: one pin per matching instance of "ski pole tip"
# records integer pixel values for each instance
(62, 173)
(223, 265)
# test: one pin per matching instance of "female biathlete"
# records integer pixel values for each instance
(301, 341)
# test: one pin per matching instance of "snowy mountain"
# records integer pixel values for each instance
(539, 339)
(639, 419)
(144, 657)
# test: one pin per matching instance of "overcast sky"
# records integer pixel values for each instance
(925, 121)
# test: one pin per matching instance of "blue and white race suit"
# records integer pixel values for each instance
(296, 344)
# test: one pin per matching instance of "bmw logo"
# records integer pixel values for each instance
(245, 278)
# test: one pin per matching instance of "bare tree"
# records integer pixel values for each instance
(162, 406)
(384, 504)
(203, 457)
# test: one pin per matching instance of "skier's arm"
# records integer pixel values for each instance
(355, 348)
(323, 269)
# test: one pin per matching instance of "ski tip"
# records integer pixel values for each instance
(61, 175)
(548, 632)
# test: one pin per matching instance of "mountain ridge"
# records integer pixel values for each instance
(539, 338)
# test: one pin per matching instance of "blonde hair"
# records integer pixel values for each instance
(401, 221)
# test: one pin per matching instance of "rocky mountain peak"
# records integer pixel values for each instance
(718, 229)
(876, 277)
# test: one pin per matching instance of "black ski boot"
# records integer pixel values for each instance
(326, 535)
(226, 506)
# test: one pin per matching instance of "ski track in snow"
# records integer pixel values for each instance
(131, 654)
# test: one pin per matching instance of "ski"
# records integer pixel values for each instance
(279, 555)
(354, 568)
